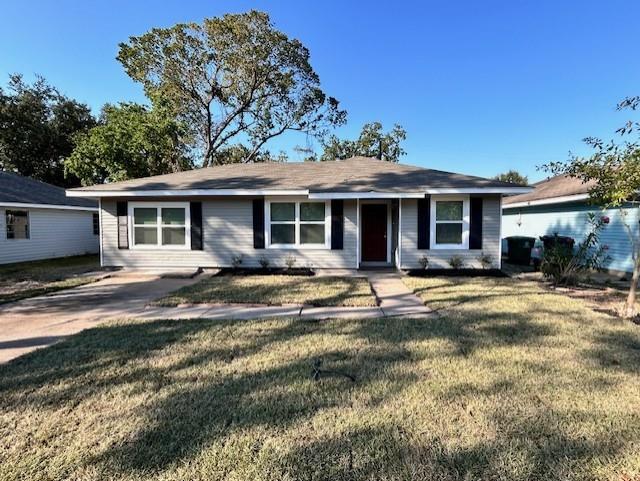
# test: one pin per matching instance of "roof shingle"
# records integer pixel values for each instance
(15, 188)
(558, 186)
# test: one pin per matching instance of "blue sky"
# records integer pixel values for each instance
(480, 86)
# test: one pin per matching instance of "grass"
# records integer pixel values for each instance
(509, 382)
(30, 279)
(275, 290)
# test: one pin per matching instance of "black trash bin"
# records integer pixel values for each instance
(551, 241)
(519, 248)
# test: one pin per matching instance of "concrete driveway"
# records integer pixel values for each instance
(41, 321)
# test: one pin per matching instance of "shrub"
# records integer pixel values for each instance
(486, 261)
(290, 261)
(424, 262)
(264, 262)
(236, 261)
(563, 265)
(456, 262)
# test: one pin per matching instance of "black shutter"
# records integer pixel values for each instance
(123, 224)
(424, 222)
(475, 221)
(337, 224)
(196, 225)
(258, 223)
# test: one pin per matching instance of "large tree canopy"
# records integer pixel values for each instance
(130, 141)
(513, 177)
(37, 126)
(232, 79)
(614, 169)
(372, 142)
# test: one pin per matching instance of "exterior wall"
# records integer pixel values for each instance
(571, 220)
(227, 225)
(53, 233)
(439, 258)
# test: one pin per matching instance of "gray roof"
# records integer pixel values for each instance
(558, 186)
(357, 174)
(15, 188)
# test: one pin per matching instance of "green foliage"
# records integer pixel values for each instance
(130, 141)
(37, 126)
(231, 78)
(512, 177)
(563, 266)
(239, 153)
(372, 142)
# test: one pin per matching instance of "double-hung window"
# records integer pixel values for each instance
(160, 225)
(17, 222)
(298, 224)
(449, 222)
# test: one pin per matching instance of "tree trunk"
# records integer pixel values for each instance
(630, 305)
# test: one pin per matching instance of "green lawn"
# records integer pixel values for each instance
(29, 279)
(275, 290)
(509, 382)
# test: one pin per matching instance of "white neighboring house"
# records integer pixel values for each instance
(38, 221)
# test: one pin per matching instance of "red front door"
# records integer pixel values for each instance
(374, 233)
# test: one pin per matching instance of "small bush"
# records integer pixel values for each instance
(264, 262)
(456, 262)
(424, 262)
(290, 261)
(236, 261)
(564, 266)
(486, 261)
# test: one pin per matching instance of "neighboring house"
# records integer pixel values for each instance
(38, 221)
(340, 214)
(560, 205)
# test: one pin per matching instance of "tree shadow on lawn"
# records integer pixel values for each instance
(224, 385)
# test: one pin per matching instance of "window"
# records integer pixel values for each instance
(450, 222)
(17, 224)
(159, 226)
(298, 224)
(96, 224)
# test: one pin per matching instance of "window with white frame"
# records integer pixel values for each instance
(450, 222)
(17, 224)
(159, 225)
(298, 224)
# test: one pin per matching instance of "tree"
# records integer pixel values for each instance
(512, 177)
(232, 78)
(238, 153)
(614, 169)
(372, 142)
(130, 141)
(37, 126)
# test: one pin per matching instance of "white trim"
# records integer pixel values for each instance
(311, 195)
(158, 206)
(465, 222)
(500, 239)
(296, 223)
(100, 232)
(46, 206)
(399, 234)
(357, 233)
(552, 200)
(174, 192)
(388, 233)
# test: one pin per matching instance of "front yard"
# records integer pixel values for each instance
(275, 290)
(509, 382)
(29, 279)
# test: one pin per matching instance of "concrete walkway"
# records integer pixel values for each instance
(41, 321)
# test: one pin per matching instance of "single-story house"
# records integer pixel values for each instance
(560, 205)
(338, 214)
(38, 221)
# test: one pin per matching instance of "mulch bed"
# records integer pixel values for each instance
(456, 273)
(270, 271)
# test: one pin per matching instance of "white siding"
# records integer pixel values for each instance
(571, 220)
(53, 233)
(227, 231)
(439, 258)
